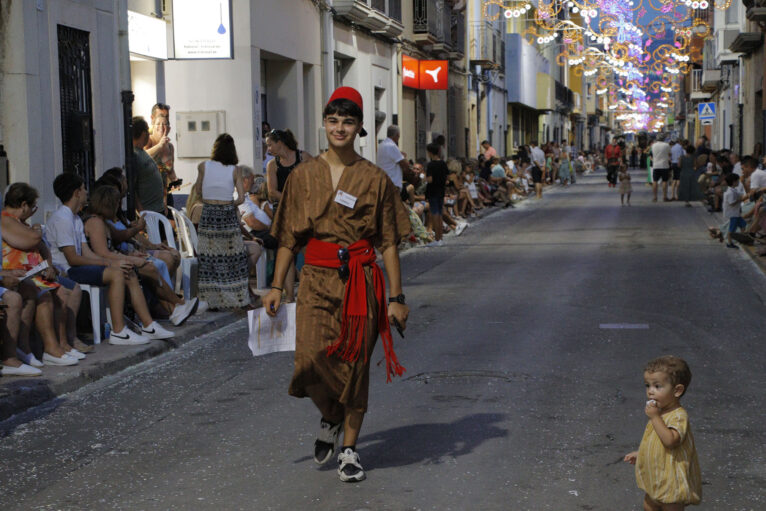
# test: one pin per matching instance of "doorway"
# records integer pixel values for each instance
(76, 103)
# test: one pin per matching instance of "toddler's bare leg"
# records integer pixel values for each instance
(650, 505)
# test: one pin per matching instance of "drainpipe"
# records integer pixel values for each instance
(740, 105)
(127, 97)
(328, 50)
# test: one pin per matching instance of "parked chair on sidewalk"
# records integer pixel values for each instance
(187, 240)
(97, 303)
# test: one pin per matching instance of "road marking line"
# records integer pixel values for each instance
(623, 326)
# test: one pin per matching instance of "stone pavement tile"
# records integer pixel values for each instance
(19, 394)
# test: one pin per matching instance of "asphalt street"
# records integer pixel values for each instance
(523, 391)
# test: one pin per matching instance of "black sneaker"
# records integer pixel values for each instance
(349, 468)
(326, 442)
(731, 245)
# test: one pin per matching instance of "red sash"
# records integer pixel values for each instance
(354, 322)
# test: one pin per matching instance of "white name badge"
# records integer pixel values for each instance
(345, 199)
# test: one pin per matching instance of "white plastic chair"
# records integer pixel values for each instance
(153, 221)
(187, 241)
(97, 302)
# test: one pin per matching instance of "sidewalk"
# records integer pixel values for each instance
(19, 394)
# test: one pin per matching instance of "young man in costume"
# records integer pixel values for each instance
(341, 208)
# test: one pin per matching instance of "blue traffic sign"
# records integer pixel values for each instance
(706, 111)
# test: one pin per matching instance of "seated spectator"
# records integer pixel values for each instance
(22, 245)
(67, 298)
(11, 307)
(103, 208)
(256, 210)
(72, 255)
(253, 245)
(129, 237)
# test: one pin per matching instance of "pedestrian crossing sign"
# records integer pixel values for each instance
(706, 111)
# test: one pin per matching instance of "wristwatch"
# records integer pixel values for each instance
(397, 299)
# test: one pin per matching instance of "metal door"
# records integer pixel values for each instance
(76, 109)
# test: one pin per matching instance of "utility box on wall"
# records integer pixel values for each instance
(196, 132)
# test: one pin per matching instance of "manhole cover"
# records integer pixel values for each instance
(468, 377)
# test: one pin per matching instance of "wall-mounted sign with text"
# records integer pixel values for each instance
(202, 29)
(410, 72)
(424, 74)
(147, 36)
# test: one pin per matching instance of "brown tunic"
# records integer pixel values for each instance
(308, 210)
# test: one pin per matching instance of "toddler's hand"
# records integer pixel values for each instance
(652, 410)
(631, 457)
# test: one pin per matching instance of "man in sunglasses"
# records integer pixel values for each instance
(341, 208)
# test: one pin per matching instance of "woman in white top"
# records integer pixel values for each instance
(222, 258)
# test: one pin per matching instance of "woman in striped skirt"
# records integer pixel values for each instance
(223, 270)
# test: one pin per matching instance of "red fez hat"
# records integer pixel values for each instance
(352, 95)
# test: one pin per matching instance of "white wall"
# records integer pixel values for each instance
(286, 48)
(370, 68)
(30, 101)
(217, 85)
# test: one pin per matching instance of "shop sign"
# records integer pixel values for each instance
(410, 71)
(433, 74)
(147, 36)
(424, 74)
(202, 29)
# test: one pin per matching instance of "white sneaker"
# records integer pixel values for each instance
(127, 337)
(437, 243)
(349, 467)
(22, 370)
(181, 312)
(460, 228)
(64, 360)
(202, 307)
(76, 354)
(28, 358)
(154, 331)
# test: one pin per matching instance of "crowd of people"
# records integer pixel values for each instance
(681, 170)
(91, 240)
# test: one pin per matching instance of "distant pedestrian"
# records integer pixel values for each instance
(688, 188)
(436, 177)
(660, 167)
(625, 187)
(732, 207)
(676, 153)
(390, 158)
(537, 176)
(565, 169)
(613, 157)
(223, 271)
(667, 468)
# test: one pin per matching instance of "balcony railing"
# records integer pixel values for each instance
(380, 16)
(487, 47)
(696, 76)
(457, 32)
(391, 8)
(425, 18)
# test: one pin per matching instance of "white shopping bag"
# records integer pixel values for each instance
(267, 334)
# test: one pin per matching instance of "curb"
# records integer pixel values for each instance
(20, 394)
